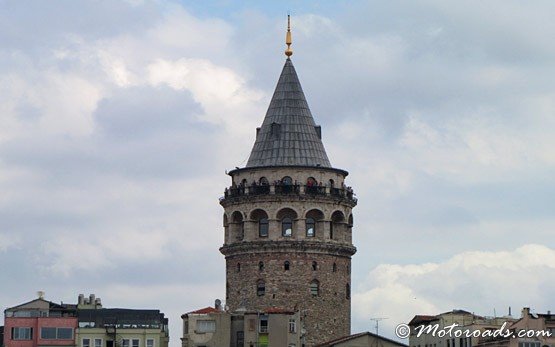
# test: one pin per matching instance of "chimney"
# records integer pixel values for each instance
(510, 311)
(525, 312)
(91, 299)
(97, 303)
(81, 299)
(218, 304)
(40, 294)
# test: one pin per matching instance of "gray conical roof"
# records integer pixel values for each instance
(288, 135)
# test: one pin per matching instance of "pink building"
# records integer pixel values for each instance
(40, 323)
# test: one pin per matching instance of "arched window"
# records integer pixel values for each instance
(286, 265)
(313, 222)
(314, 266)
(348, 291)
(310, 227)
(261, 266)
(287, 181)
(337, 221)
(261, 218)
(334, 267)
(260, 288)
(314, 288)
(332, 183)
(238, 267)
(263, 181)
(263, 227)
(286, 227)
(238, 225)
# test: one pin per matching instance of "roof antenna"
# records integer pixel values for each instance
(288, 51)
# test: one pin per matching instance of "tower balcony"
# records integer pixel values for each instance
(238, 193)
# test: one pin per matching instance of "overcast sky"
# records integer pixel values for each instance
(118, 120)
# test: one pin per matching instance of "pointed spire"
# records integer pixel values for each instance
(288, 51)
(288, 136)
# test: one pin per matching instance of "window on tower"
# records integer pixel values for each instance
(263, 227)
(286, 227)
(315, 288)
(347, 291)
(310, 227)
(314, 266)
(286, 265)
(260, 288)
(260, 266)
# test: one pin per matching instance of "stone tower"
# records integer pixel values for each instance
(288, 221)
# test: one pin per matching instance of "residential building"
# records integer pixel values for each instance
(365, 339)
(464, 320)
(288, 221)
(119, 327)
(40, 323)
(213, 327)
(528, 322)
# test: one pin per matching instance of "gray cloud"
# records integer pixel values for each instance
(117, 121)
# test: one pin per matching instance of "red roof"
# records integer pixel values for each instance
(278, 310)
(205, 310)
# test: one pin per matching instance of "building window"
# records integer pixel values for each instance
(20, 333)
(314, 288)
(97, 342)
(238, 267)
(263, 227)
(252, 324)
(149, 342)
(348, 291)
(48, 333)
(286, 227)
(125, 342)
(135, 343)
(260, 266)
(334, 267)
(331, 230)
(314, 266)
(86, 343)
(206, 326)
(260, 288)
(64, 334)
(310, 227)
(286, 265)
(292, 326)
(263, 324)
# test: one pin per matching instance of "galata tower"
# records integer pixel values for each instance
(288, 221)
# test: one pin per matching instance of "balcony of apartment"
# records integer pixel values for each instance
(239, 192)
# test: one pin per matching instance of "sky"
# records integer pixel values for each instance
(118, 120)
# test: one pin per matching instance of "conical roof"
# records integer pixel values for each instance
(288, 136)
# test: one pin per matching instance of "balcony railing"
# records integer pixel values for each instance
(289, 189)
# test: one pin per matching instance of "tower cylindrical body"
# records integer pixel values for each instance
(288, 244)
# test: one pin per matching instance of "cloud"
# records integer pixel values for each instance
(477, 281)
(8, 241)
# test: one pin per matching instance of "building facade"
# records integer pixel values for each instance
(40, 323)
(464, 320)
(288, 221)
(213, 327)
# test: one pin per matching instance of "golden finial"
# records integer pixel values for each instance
(288, 51)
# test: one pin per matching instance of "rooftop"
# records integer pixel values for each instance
(288, 135)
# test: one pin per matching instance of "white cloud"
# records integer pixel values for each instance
(8, 241)
(478, 281)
